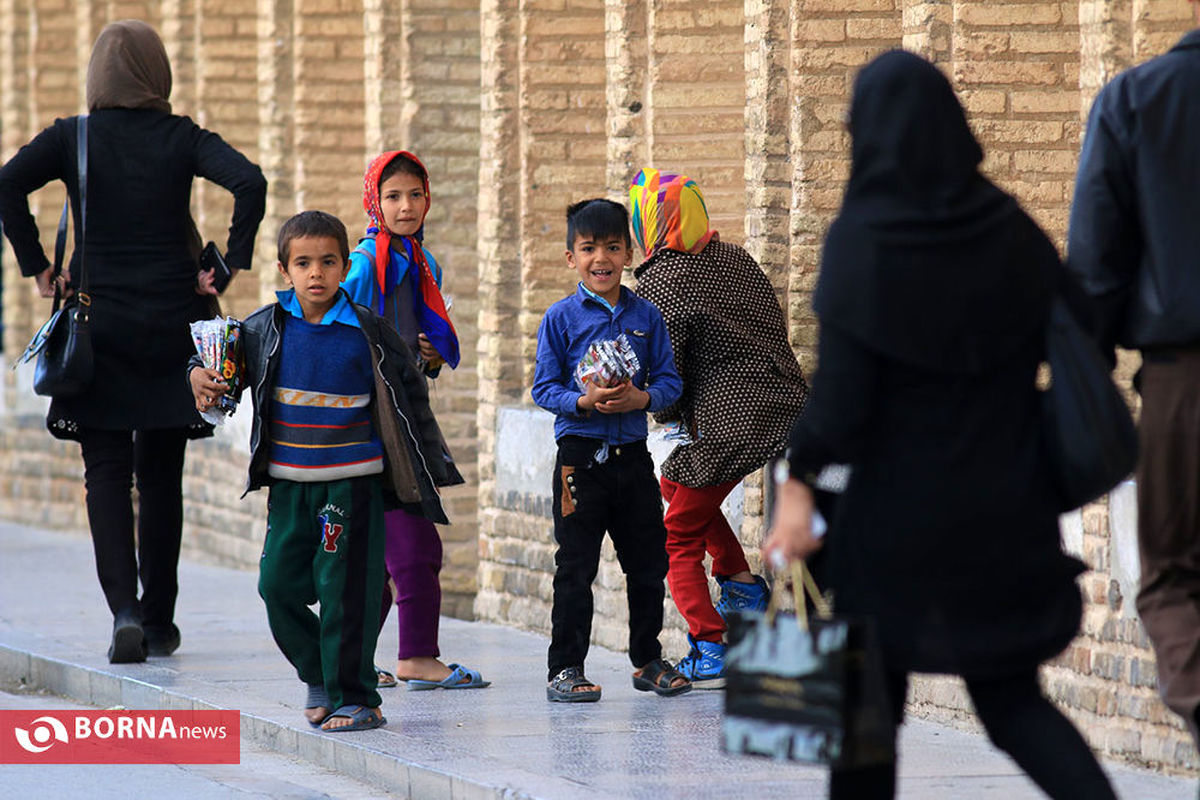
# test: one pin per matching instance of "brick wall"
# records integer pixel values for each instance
(521, 106)
(310, 90)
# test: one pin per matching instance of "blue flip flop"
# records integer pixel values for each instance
(361, 719)
(459, 678)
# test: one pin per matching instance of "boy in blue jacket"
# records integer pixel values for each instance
(604, 476)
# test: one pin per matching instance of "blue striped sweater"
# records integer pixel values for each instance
(321, 406)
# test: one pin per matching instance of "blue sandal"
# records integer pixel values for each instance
(460, 677)
(361, 719)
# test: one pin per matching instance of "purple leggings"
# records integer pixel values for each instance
(414, 558)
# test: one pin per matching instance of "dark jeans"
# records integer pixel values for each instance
(111, 461)
(620, 496)
(1020, 721)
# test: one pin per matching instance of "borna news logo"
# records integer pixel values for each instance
(45, 731)
(120, 737)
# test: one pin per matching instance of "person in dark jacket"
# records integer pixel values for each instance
(342, 426)
(933, 298)
(1133, 244)
(134, 420)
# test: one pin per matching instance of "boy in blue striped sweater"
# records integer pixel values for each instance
(342, 429)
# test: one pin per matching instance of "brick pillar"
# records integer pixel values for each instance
(828, 46)
(387, 73)
(1017, 66)
(14, 132)
(178, 34)
(330, 104)
(697, 58)
(278, 157)
(1105, 46)
(500, 257)
(928, 26)
(628, 89)
(768, 171)
(1157, 26)
(432, 109)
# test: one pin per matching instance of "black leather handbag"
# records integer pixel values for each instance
(63, 345)
(1090, 433)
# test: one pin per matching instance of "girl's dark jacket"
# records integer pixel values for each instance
(417, 459)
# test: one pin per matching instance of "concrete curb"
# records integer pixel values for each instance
(358, 761)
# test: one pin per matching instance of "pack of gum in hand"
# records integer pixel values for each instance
(607, 363)
(219, 343)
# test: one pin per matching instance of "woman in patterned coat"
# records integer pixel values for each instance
(742, 390)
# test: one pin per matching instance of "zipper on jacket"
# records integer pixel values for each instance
(257, 389)
(407, 427)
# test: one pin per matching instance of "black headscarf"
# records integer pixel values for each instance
(928, 262)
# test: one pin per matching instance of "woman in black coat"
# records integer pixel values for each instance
(135, 418)
(933, 298)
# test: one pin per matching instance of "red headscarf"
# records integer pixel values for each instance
(431, 307)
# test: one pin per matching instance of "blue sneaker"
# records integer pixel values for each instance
(742, 597)
(704, 666)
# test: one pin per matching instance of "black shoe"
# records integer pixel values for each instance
(128, 640)
(162, 640)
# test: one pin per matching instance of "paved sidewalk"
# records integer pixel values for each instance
(503, 742)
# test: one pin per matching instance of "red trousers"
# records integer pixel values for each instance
(695, 525)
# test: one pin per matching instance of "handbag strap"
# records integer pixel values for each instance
(802, 583)
(60, 241)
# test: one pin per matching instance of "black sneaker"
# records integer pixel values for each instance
(128, 640)
(162, 640)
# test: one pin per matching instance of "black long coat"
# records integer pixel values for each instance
(140, 254)
(934, 296)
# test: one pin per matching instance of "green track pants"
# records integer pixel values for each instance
(324, 545)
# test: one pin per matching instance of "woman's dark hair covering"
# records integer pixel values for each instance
(928, 262)
(129, 68)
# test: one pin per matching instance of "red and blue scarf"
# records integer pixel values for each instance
(427, 297)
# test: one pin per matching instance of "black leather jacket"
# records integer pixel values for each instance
(417, 459)
(1134, 243)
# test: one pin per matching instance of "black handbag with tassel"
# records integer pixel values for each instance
(63, 345)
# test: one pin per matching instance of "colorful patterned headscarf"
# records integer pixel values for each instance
(431, 307)
(668, 211)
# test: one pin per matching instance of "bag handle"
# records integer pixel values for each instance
(802, 583)
(60, 241)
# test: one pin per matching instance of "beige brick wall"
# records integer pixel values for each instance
(310, 90)
(521, 106)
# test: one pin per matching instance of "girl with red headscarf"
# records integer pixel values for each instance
(392, 273)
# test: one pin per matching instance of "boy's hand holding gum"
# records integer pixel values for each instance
(623, 397)
(594, 397)
(207, 387)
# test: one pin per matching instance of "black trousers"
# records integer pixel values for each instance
(112, 460)
(620, 496)
(1020, 721)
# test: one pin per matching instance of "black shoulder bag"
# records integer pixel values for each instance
(1091, 437)
(63, 345)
